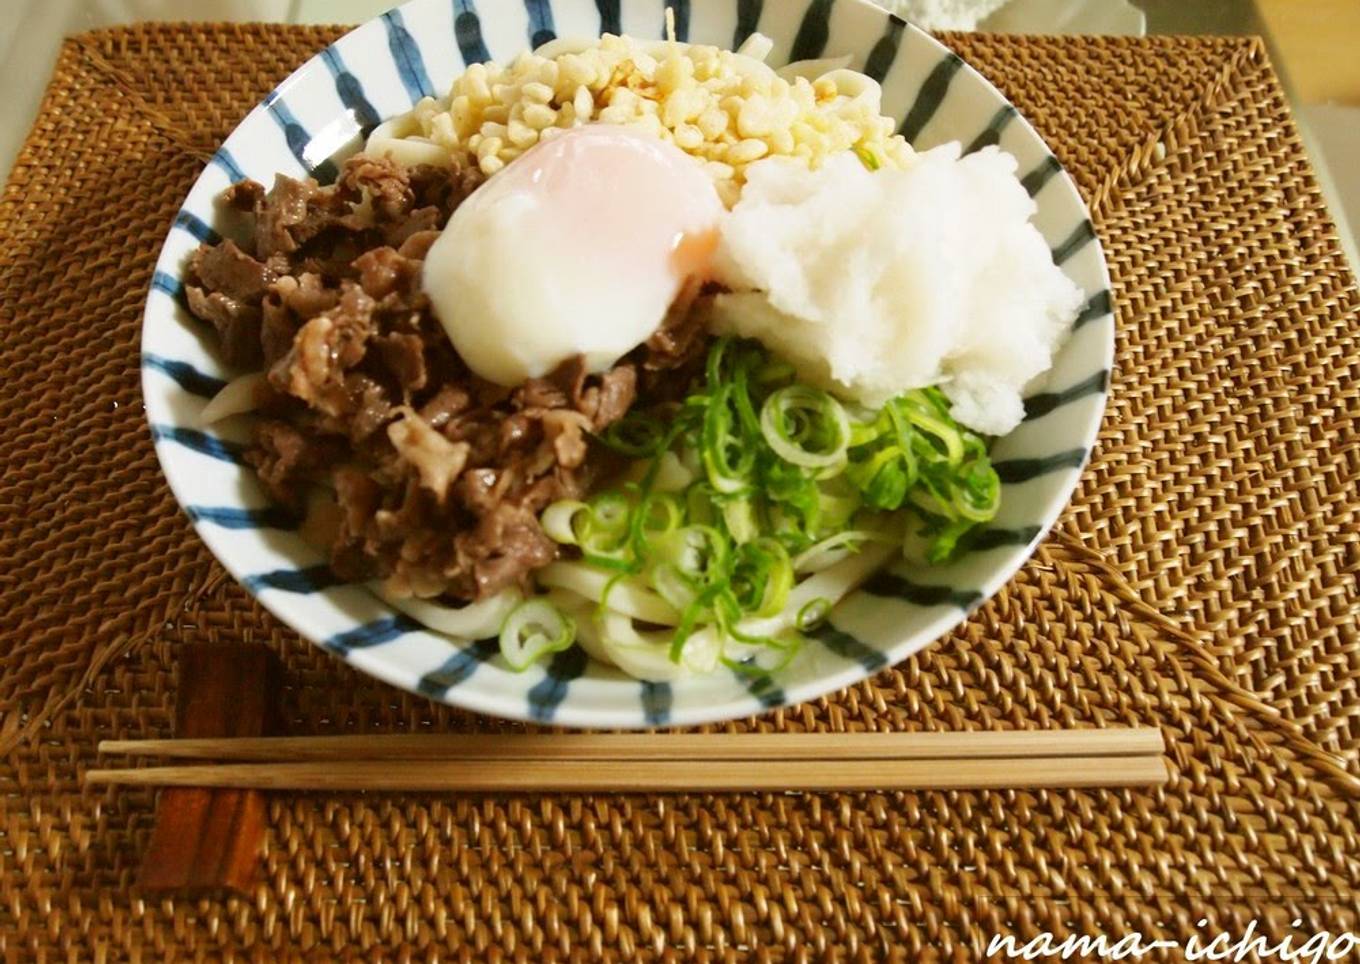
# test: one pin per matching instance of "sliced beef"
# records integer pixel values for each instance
(565, 430)
(422, 222)
(306, 295)
(443, 188)
(289, 303)
(244, 195)
(285, 458)
(358, 495)
(324, 349)
(227, 269)
(385, 184)
(449, 401)
(570, 377)
(561, 483)
(482, 434)
(437, 461)
(278, 328)
(541, 393)
(279, 212)
(417, 244)
(682, 334)
(481, 490)
(237, 324)
(518, 431)
(439, 476)
(506, 545)
(404, 356)
(604, 399)
(617, 392)
(370, 406)
(382, 272)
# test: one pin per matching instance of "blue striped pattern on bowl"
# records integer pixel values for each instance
(322, 112)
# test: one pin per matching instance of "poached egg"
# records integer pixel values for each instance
(577, 247)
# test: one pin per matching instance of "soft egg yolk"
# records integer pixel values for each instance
(577, 247)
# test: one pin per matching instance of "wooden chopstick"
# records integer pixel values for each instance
(704, 747)
(631, 776)
(637, 762)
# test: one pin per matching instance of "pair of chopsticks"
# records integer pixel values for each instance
(641, 763)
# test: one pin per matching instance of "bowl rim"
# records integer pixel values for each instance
(487, 700)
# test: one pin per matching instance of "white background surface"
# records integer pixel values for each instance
(31, 32)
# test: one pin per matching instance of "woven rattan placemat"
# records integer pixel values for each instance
(1202, 580)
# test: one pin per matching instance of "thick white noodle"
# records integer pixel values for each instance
(588, 635)
(401, 139)
(812, 69)
(478, 620)
(613, 639)
(832, 584)
(565, 45)
(649, 661)
(625, 596)
(860, 88)
(757, 47)
(833, 549)
(236, 396)
(743, 62)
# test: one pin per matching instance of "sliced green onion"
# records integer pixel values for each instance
(772, 372)
(533, 629)
(916, 409)
(945, 540)
(636, 435)
(659, 514)
(741, 401)
(702, 505)
(978, 494)
(609, 512)
(728, 459)
(813, 614)
(739, 515)
(603, 533)
(617, 562)
(749, 511)
(559, 521)
(713, 365)
(864, 433)
(798, 496)
(689, 620)
(806, 427)
(763, 657)
(885, 478)
(762, 576)
(697, 552)
(836, 506)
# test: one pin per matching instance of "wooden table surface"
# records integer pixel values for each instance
(1316, 41)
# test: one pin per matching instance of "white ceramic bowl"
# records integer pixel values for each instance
(379, 70)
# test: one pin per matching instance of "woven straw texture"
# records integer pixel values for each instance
(1202, 580)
